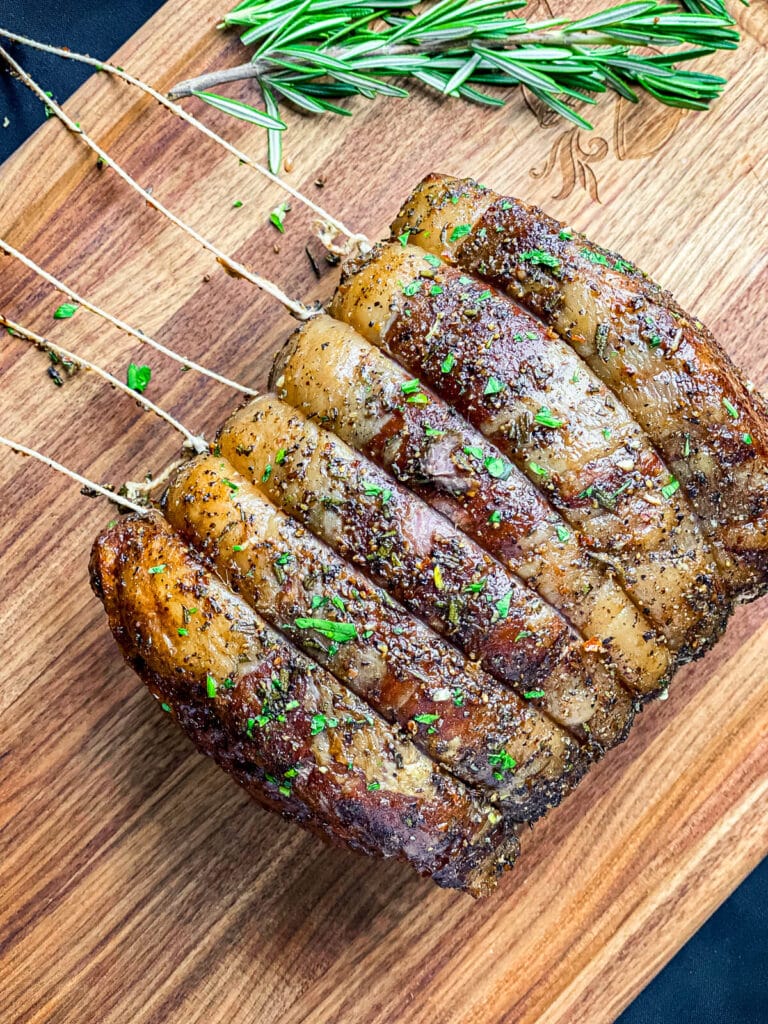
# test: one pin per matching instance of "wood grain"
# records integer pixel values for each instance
(138, 883)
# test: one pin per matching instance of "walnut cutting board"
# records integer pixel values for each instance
(138, 883)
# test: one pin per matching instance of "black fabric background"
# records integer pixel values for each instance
(721, 975)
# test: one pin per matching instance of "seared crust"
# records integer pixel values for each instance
(456, 713)
(530, 394)
(333, 375)
(664, 365)
(435, 570)
(264, 712)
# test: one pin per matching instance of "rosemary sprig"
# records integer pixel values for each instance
(313, 53)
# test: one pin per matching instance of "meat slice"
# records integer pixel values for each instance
(529, 393)
(422, 560)
(333, 375)
(664, 365)
(463, 719)
(297, 740)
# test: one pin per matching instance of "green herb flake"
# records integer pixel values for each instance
(494, 517)
(687, 446)
(448, 363)
(267, 473)
(413, 287)
(436, 289)
(594, 257)
(410, 387)
(502, 762)
(420, 399)
(338, 632)
(475, 588)
(671, 488)
(731, 409)
(431, 432)
(403, 239)
(280, 456)
(746, 438)
(155, 569)
(138, 377)
(165, 707)
(228, 483)
(473, 449)
(498, 468)
(277, 216)
(182, 631)
(460, 231)
(426, 719)
(523, 635)
(533, 694)
(211, 686)
(494, 386)
(565, 235)
(432, 260)
(320, 722)
(458, 698)
(373, 787)
(545, 417)
(537, 469)
(237, 204)
(65, 311)
(538, 257)
(502, 605)
(563, 533)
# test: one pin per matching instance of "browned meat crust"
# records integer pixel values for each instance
(664, 365)
(297, 740)
(457, 714)
(333, 375)
(529, 393)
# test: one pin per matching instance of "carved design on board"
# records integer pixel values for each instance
(573, 160)
(640, 130)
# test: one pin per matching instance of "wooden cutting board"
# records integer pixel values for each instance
(138, 883)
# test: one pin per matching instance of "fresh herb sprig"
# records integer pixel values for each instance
(312, 54)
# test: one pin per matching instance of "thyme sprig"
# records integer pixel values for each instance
(312, 54)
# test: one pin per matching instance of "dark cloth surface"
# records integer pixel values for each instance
(721, 975)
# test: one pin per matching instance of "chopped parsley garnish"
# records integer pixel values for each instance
(237, 204)
(403, 239)
(493, 387)
(280, 456)
(731, 409)
(182, 631)
(498, 468)
(669, 489)
(432, 260)
(138, 377)
(502, 605)
(318, 600)
(420, 399)
(565, 235)
(238, 547)
(448, 363)
(537, 469)
(533, 694)
(563, 533)
(413, 287)
(426, 719)
(165, 707)
(606, 433)
(284, 558)
(211, 686)
(267, 473)
(320, 723)
(410, 387)
(458, 698)
(540, 258)
(460, 231)
(622, 265)
(154, 569)
(436, 289)
(545, 417)
(502, 762)
(746, 438)
(431, 432)
(65, 311)
(523, 634)
(437, 576)
(277, 216)
(475, 588)
(687, 446)
(473, 449)
(484, 295)
(230, 485)
(494, 517)
(373, 787)
(337, 632)
(595, 257)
